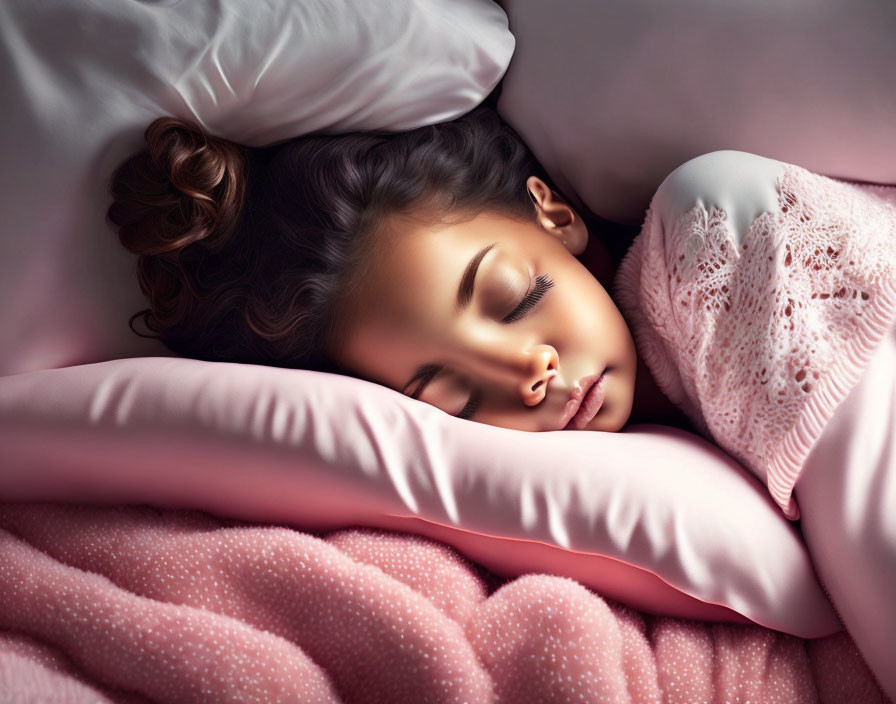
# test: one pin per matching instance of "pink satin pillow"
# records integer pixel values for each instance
(654, 517)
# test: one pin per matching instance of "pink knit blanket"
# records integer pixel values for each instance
(759, 339)
(134, 604)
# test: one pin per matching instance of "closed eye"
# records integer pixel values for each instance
(542, 284)
(471, 406)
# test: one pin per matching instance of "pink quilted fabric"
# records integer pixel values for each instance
(134, 604)
(759, 341)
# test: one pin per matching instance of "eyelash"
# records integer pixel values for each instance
(542, 284)
(471, 407)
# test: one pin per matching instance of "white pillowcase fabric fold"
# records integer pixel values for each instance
(82, 81)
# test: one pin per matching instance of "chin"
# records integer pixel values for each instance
(602, 424)
(607, 421)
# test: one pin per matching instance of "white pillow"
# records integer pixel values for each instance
(82, 80)
(654, 517)
(611, 96)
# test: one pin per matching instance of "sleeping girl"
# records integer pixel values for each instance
(438, 262)
(441, 263)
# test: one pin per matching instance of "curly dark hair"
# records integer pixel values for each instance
(248, 254)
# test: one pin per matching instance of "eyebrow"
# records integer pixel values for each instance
(468, 280)
(427, 372)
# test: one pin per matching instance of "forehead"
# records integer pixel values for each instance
(403, 303)
(416, 269)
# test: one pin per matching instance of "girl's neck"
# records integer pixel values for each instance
(652, 406)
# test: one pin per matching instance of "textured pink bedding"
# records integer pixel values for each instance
(134, 604)
(848, 495)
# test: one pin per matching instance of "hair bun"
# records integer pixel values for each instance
(185, 186)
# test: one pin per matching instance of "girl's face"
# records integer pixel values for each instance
(503, 343)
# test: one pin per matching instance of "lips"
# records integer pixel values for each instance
(586, 399)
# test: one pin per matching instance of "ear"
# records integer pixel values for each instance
(556, 217)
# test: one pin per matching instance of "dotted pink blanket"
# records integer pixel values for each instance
(135, 604)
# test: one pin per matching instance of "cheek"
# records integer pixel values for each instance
(446, 394)
(618, 396)
(612, 326)
(512, 420)
(584, 318)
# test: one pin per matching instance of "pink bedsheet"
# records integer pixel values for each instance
(134, 604)
(847, 495)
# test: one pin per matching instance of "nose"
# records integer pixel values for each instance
(526, 369)
(541, 365)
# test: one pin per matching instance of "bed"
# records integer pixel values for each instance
(180, 530)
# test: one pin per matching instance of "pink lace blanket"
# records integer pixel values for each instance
(134, 604)
(758, 341)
